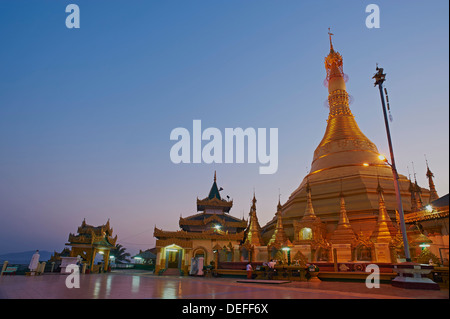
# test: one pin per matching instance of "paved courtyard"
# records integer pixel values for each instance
(133, 284)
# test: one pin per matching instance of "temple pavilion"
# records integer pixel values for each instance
(212, 234)
(90, 241)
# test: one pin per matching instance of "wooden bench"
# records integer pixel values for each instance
(10, 271)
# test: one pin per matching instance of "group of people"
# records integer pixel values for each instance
(271, 264)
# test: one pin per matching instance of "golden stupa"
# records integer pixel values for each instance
(345, 162)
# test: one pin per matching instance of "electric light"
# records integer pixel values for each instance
(217, 227)
(366, 164)
(429, 208)
(285, 248)
(381, 157)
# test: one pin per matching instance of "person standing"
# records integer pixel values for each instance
(271, 265)
(249, 271)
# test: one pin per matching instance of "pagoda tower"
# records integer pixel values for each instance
(343, 238)
(414, 204)
(279, 237)
(344, 156)
(343, 232)
(309, 212)
(382, 233)
(418, 191)
(253, 231)
(433, 193)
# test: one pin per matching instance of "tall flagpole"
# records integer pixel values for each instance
(380, 77)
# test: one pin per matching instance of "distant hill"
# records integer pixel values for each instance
(24, 257)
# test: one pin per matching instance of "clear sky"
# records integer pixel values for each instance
(86, 114)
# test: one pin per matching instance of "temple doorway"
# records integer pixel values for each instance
(173, 258)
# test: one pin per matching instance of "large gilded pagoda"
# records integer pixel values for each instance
(346, 172)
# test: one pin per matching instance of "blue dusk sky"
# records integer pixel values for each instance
(86, 114)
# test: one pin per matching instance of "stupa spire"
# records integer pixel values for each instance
(433, 193)
(343, 231)
(309, 211)
(342, 133)
(253, 232)
(412, 191)
(279, 237)
(331, 42)
(343, 218)
(381, 232)
(417, 191)
(215, 191)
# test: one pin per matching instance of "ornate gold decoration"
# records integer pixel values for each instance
(90, 240)
(381, 232)
(426, 255)
(212, 218)
(300, 259)
(173, 241)
(433, 193)
(253, 231)
(343, 232)
(207, 234)
(279, 237)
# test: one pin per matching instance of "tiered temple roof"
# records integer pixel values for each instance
(213, 222)
(438, 209)
(214, 201)
(93, 235)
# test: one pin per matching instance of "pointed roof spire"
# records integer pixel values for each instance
(343, 218)
(254, 202)
(381, 232)
(334, 68)
(379, 188)
(413, 197)
(214, 192)
(253, 231)
(279, 206)
(309, 211)
(414, 189)
(343, 232)
(331, 43)
(214, 200)
(433, 193)
(279, 237)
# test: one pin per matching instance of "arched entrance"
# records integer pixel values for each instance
(174, 255)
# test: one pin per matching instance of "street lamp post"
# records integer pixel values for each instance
(288, 251)
(379, 79)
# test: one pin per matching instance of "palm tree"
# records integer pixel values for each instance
(119, 254)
